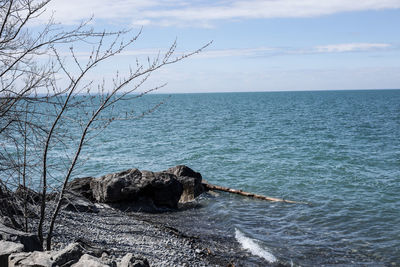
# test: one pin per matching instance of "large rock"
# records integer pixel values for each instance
(162, 188)
(190, 180)
(77, 203)
(117, 187)
(68, 255)
(11, 210)
(89, 261)
(36, 259)
(30, 241)
(130, 260)
(182, 170)
(141, 188)
(7, 248)
(65, 257)
(30, 195)
(82, 187)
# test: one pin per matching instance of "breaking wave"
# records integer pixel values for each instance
(252, 246)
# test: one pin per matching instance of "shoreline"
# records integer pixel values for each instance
(151, 236)
(155, 216)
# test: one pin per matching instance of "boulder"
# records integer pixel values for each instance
(135, 187)
(117, 187)
(65, 257)
(190, 180)
(31, 196)
(130, 260)
(11, 210)
(90, 248)
(7, 248)
(89, 261)
(82, 187)
(77, 203)
(162, 188)
(36, 258)
(182, 170)
(30, 241)
(13, 222)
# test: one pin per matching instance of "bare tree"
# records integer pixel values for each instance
(48, 101)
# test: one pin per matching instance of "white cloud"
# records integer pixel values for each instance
(74, 11)
(251, 52)
(245, 52)
(203, 13)
(276, 51)
(352, 47)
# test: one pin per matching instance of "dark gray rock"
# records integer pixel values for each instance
(11, 209)
(7, 248)
(67, 256)
(130, 260)
(82, 187)
(90, 248)
(117, 187)
(30, 195)
(77, 203)
(29, 240)
(190, 180)
(162, 189)
(14, 222)
(9, 205)
(144, 189)
(182, 170)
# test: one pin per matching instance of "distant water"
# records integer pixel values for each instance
(338, 150)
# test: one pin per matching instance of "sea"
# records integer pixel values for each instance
(338, 152)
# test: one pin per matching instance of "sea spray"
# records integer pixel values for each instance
(253, 247)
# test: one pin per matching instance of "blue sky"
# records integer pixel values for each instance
(270, 45)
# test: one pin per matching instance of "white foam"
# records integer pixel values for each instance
(253, 247)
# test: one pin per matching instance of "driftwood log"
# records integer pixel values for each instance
(247, 194)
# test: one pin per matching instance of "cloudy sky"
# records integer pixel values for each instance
(258, 45)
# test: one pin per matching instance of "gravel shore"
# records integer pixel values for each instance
(147, 235)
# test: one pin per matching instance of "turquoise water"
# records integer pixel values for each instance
(338, 150)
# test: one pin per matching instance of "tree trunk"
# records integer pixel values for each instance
(247, 194)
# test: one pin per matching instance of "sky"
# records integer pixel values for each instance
(257, 45)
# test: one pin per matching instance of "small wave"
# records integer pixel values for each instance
(253, 247)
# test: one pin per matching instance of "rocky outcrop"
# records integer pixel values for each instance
(163, 189)
(36, 258)
(130, 260)
(116, 187)
(29, 240)
(65, 257)
(82, 187)
(30, 195)
(77, 203)
(190, 180)
(158, 189)
(76, 254)
(90, 261)
(10, 208)
(7, 248)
